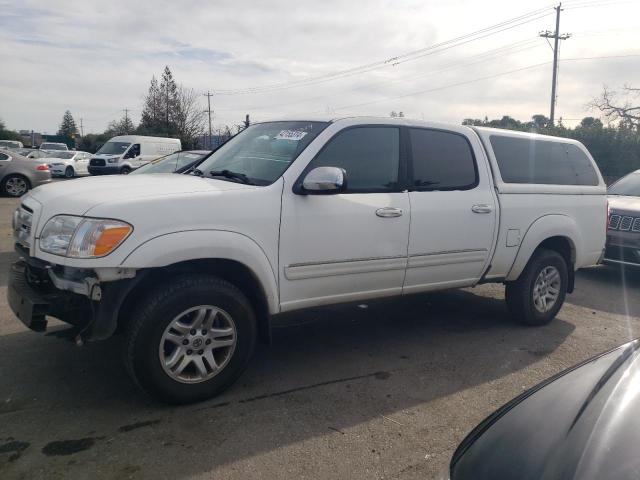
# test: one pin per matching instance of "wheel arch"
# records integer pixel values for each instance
(229, 255)
(554, 232)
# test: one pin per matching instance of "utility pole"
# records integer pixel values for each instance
(556, 43)
(81, 128)
(126, 119)
(209, 95)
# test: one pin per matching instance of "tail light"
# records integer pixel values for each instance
(43, 166)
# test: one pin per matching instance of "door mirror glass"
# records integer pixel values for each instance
(324, 181)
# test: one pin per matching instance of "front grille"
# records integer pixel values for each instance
(22, 226)
(624, 223)
(97, 162)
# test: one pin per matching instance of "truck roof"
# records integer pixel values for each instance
(137, 138)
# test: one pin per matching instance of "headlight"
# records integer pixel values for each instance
(112, 160)
(80, 237)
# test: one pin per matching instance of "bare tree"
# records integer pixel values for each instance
(189, 117)
(624, 108)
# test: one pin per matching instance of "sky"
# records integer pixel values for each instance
(96, 58)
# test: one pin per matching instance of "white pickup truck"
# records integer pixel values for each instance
(193, 268)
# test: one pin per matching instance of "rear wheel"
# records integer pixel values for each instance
(15, 185)
(69, 173)
(190, 339)
(125, 170)
(537, 296)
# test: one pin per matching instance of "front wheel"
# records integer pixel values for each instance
(69, 173)
(125, 170)
(537, 296)
(190, 339)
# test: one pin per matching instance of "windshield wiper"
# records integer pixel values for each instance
(231, 175)
(195, 171)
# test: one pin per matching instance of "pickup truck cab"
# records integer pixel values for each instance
(295, 214)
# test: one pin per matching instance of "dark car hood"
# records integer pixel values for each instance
(582, 424)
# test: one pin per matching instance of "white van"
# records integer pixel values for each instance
(125, 153)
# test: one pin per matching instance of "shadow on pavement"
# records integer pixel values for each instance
(609, 288)
(73, 412)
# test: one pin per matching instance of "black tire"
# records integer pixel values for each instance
(7, 188)
(125, 171)
(69, 172)
(519, 294)
(155, 312)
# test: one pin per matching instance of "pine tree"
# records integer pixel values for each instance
(169, 102)
(68, 126)
(150, 121)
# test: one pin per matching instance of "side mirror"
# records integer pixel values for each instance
(324, 181)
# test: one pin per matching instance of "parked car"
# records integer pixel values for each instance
(18, 174)
(581, 424)
(178, 162)
(294, 214)
(623, 232)
(125, 153)
(53, 146)
(9, 144)
(32, 153)
(68, 164)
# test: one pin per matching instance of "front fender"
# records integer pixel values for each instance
(172, 248)
(545, 227)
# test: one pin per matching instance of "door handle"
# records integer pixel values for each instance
(482, 208)
(389, 212)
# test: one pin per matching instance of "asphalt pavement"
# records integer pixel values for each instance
(386, 391)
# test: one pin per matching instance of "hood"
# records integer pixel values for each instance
(106, 155)
(582, 424)
(624, 204)
(79, 195)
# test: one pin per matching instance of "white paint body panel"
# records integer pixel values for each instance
(310, 250)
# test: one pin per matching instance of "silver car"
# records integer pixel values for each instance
(18, 174)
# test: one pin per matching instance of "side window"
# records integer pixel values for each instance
(526, 160)
(4, 157)
(369, 155)
(442, 161)
(134, 151)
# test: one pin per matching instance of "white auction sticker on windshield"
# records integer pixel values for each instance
(290, 135)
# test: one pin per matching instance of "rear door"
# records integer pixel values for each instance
(453, 209)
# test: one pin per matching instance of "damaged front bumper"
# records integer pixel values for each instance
(36, 290)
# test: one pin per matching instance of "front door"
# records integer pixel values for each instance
(453, 211)
(351, 245)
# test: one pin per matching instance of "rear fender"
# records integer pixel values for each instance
(543, 228)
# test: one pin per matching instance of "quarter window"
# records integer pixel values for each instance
(369, 155)
(3, 157)
(442, 161)
(528, 160)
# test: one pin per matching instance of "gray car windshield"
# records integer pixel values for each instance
(113, 148)
(629, 185)
(260, 154)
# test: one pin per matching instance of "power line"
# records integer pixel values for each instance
(398, 59)
(498, 53)
(509, 72)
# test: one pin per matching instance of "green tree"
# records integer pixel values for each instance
(68, 126)
(6, 134)
(124, 126)
(151, 118)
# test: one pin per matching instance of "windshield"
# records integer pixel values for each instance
(629, 185)
(171, 163)
(262, 152)
(113, 148)
(52, 146)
